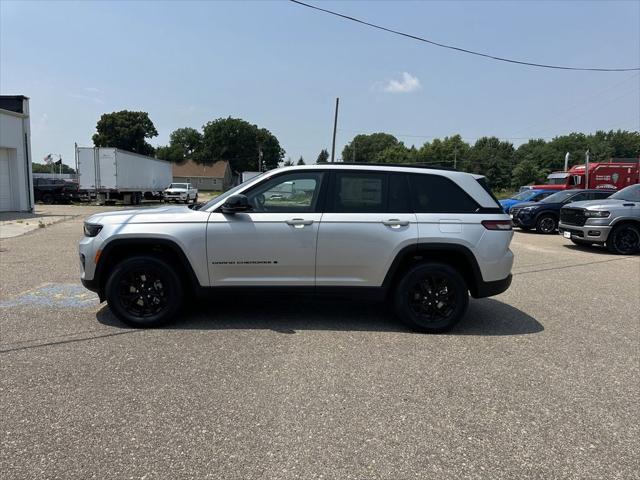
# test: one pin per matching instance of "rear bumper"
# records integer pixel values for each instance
(489, 289)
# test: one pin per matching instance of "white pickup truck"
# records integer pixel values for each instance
(180, 192)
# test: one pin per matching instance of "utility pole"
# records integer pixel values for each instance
(335, 127)
(455, 158)
(260, 158)
(354, 151)
(586, 169)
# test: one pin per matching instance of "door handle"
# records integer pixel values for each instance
(395, 223)
(299, 222)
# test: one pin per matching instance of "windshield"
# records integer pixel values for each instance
(558, 197)
(230, 192)
(524, 196)
(178, 185)
(630, 193)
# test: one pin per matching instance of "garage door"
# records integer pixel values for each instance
(5, 184)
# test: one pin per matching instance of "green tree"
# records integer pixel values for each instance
(365, 148)
(493, 158)
(239, 142)
(450, 152)
(288, 163)
(300, 161)
(44, 168)
(184, 144)
(126, 130)
(396, 154)
(323, 156)
(527, 172)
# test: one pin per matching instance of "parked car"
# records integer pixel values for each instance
(181, 192)
(524, 196)
(545, 214)
(421, 238)
(54, 190)
(614, 222)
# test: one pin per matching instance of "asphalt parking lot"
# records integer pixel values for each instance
(539, 382)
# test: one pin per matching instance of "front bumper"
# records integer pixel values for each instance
(591, 233)
(524, 219)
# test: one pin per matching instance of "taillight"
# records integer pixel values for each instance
(497, 224)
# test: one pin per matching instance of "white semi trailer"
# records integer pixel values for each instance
(108, 174)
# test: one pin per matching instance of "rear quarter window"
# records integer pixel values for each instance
(437, 194)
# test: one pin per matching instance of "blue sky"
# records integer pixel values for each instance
(281, 66)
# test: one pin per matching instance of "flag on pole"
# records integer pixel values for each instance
(47, 159)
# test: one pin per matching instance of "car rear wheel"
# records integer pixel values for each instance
(624, 239)
(546, 224)
(144, 292)
(47, 198)
(431, 297)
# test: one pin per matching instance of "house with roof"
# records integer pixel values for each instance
(215, 177)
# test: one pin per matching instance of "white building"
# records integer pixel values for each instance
(16, 186)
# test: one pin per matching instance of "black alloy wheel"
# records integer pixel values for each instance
(624, 239)
(144, 291)
(546, 224)
(432, 297)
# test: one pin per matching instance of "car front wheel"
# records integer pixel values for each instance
(546, 224)
(432, 297)
(624, 239)
(144, 291)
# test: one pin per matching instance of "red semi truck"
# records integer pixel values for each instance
(611, 175)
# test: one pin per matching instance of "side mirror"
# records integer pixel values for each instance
(235, 204)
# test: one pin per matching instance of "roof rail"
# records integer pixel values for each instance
(408, 165)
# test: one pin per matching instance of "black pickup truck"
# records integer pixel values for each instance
(54, 190)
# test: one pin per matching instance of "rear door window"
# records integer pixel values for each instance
(437, 194)
(356, 192)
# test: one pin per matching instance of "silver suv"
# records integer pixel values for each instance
(422, 238)
(614, 221)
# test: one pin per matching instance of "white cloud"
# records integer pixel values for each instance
(92, 90)
(408, 83)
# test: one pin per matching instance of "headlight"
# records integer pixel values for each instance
(91, 229)
(596, 214)
(529, 209)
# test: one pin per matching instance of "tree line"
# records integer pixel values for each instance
(504, 165)
(245, 145)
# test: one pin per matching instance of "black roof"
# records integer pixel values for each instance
(13, 103)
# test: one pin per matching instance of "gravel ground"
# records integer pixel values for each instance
(539, 382)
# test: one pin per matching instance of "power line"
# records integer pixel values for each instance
(463, 50)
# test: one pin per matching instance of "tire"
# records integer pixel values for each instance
(624, 239)
(47, 198)
(582, 243)
(195, 200)
(132, 275)
(546, 224)
(415, 297)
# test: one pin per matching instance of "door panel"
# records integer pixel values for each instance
(357, 249)
(275, 242)
(262, 248)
